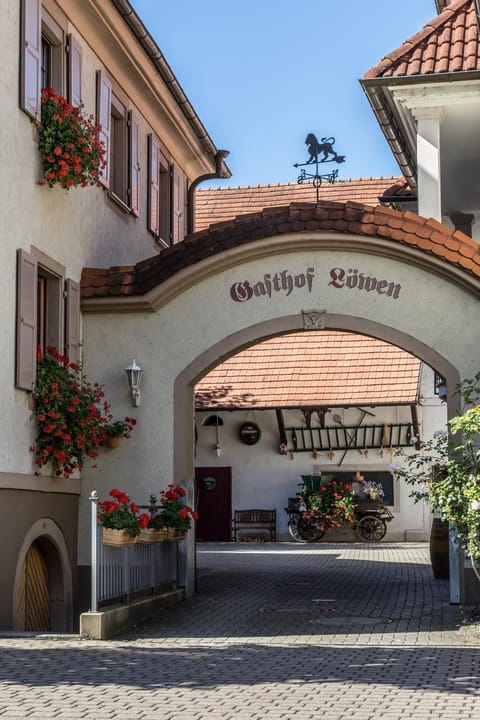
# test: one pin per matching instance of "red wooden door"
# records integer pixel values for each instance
(214, 503)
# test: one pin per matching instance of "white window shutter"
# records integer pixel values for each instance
(30, 54)
(104, 119)
(74, 72)
(178, 209)
(72, 321)
(26, 349)
(134, 188)
(153, 185)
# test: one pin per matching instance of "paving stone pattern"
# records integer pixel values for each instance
(278, 631)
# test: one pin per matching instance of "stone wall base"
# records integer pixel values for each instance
(114, 619)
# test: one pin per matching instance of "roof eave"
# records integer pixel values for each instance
(158, 59)
(377, 90)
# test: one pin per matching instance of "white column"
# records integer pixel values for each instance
(428, 162)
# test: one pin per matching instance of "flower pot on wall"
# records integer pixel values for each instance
(112, 442)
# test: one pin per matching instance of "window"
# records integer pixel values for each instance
(119, 134)
(48, 312)
(166, 197)
(45, 59)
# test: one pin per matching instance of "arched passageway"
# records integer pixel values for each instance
(389, 275)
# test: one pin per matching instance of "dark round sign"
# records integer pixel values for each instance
(249, 433)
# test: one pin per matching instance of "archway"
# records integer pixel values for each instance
(374, 271)
(230, 345)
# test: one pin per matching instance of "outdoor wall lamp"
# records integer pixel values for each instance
(134, 377)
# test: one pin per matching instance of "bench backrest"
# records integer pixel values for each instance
(255, 516)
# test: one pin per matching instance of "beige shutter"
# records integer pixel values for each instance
(26, 355)
(134, 164)
(178, 205)
(74, 72)
(72, 320)
(153, 185)
(104, 119)
(30, 57)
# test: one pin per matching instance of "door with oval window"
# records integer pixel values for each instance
(214, 503)
(33, 601)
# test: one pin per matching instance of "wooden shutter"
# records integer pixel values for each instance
(178, 209)
(72, 320)
(104, 119)
(74, 72)
(134, 173)
(30, 57)
(26, 355)
(153, 185)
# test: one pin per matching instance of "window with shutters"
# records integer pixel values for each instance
(120, 136)
(166, 197)
(48, 58)
(48, 312)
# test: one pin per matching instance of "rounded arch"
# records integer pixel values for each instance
(47, 535)
(183, 462)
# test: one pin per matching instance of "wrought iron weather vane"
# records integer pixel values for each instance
(320, 153)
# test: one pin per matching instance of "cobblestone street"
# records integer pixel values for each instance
(275, 630)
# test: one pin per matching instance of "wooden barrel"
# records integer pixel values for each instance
(439, 549)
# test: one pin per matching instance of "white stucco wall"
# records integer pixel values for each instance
(427, 310)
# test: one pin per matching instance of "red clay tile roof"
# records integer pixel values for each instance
(428, 236)
(448, 43)
(312, 370)
(224, 203)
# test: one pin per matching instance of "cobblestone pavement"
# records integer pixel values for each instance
(278, 631)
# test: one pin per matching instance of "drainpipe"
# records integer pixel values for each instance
(219, 158)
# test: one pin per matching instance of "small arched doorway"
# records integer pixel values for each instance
(33, 597)
(43, 582)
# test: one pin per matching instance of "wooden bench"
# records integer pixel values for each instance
(255, 520)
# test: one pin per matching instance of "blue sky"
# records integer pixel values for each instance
(261, 74)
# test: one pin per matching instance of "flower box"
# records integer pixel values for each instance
(117, 537)
(173, 534)
(150, 535)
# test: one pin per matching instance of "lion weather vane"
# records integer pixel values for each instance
(319, 153)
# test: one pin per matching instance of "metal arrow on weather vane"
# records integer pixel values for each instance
(324, 148)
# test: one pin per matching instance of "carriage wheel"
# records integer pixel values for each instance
(371, 528)
(303, 531)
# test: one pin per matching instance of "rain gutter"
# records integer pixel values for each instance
(375, 90)
(158, 59)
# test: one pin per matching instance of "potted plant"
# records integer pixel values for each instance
(152, 528)
(446, 472)
(333, 505)
(72, 415)
(72, 154)
(174, 513)
(117, 429)
(119, 518)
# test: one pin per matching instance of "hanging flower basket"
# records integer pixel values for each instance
(150, 535)
(117, 538)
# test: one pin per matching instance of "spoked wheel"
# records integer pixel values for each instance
(303, 531)
(371, 528)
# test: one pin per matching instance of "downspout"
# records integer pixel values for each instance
(218, 174)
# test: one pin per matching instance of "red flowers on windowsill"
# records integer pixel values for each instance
(72, 154)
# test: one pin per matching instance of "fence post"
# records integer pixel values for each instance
(94, 552)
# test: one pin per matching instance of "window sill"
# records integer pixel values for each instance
(118, 201)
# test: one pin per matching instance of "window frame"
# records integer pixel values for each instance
(60, 315)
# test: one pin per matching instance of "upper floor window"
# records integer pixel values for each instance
(119, 134)
(48, 58)
(166, 197)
